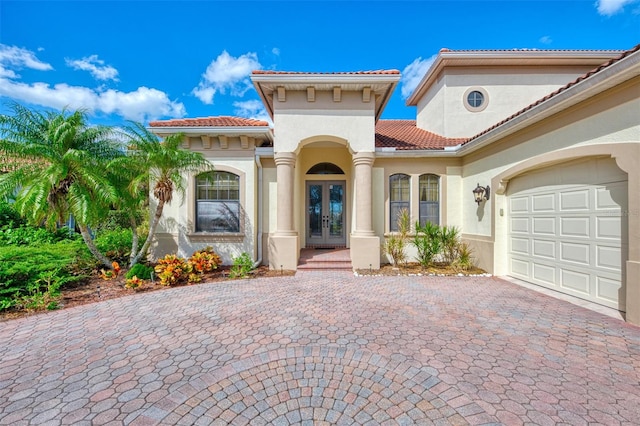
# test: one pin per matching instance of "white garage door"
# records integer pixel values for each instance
(567, 230)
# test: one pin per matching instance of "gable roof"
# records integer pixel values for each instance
(404, 135)
(598, 70)
(222, 121)
(515, 57)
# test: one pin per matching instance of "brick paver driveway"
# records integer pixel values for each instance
(323, 348)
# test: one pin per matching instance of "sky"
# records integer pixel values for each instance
(149, 60)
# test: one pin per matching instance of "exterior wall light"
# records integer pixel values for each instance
(481, 193)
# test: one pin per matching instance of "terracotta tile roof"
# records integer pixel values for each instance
(560, 90)
(378, 72)
(222, 121)
(444, 49)
(404, 135)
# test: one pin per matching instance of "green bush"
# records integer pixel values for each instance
(115, 244)
(141, 271)
(32, 271)
(9, 217)
(428, 242)
(242, 265)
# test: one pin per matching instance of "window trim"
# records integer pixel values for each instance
(483, 105)
(392, 220)
(420, 202)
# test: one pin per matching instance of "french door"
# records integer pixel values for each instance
(325, 213)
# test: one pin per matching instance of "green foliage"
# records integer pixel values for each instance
(242, 265)
(450, 240)
(119, 219)
(9, 217)
(464, 261)
(115, 244)
(141, 271)
(396, 243)
(428, 242)
(31, 275)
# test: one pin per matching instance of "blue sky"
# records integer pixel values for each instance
(146, 60)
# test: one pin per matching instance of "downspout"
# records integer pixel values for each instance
(259, 221)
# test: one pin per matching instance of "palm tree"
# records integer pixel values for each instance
(161, 164)
(56, 168)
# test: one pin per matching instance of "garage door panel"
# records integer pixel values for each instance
(569, 218)
(574, 200)
(545, 274)
(575, 253)
(575, 227)
(543, 202)
(609, 227)
(609, 257)
(520, 225)
(608, 289)
(520, 245)
(519, 204)
(544, 248)
(575, 281)
(544, 225)
(520, 267)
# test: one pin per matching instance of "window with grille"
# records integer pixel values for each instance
(429, 194)
(218, 202)
(399, 190)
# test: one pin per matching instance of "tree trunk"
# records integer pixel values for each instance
(134, 241)
(84, 231)
(152, 232)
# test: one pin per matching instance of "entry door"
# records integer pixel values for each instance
(325, 214)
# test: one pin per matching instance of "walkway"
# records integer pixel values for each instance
(323, 348)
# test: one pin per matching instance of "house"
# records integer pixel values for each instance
(552, 137)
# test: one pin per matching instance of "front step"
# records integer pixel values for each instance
(325, 259)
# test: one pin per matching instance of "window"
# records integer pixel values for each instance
(399, 190)
(218, 202)
(429, 190)
(475, 99)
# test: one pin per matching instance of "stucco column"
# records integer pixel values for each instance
(365, 245)
(363, 162)
(285, 162)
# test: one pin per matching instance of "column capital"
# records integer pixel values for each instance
(285, 158)
(364, 158)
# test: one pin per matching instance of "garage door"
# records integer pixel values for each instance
(567, 230)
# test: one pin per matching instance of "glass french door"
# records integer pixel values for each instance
(325, 214)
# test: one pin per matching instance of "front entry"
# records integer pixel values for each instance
(325, 214)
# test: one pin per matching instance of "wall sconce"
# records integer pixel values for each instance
(481, 193)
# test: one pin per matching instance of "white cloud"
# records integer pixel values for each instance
(252, 109)
(13, 57)
(275, 51)
(95, 66)
(545, 40)
(141, 104)
(413, 73)
(227, 73)
(611, 7)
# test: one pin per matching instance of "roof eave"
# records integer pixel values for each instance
(255, 131)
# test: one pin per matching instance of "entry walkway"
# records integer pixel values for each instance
(323, 348)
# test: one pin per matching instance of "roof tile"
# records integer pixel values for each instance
(378, 72)
(404, 135)
(222, 121)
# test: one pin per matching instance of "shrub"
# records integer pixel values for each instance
(395, 244)
(171, 269)
(115, 244)
(35, 271)
(242, 265)
(205, 260)
(141, 271)
(134, 283)
(9, 217)
(450, 240)
(428, 242)
(464, 261)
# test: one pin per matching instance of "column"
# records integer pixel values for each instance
(285, 162)
(363, 162)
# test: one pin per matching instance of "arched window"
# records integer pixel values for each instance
(217, 202)
(399, 190)
(429, 190)
(325, 169)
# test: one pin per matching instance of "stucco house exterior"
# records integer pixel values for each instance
(555, 135)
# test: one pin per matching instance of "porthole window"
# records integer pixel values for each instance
(475, 99)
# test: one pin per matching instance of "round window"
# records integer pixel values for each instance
(475, 99)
